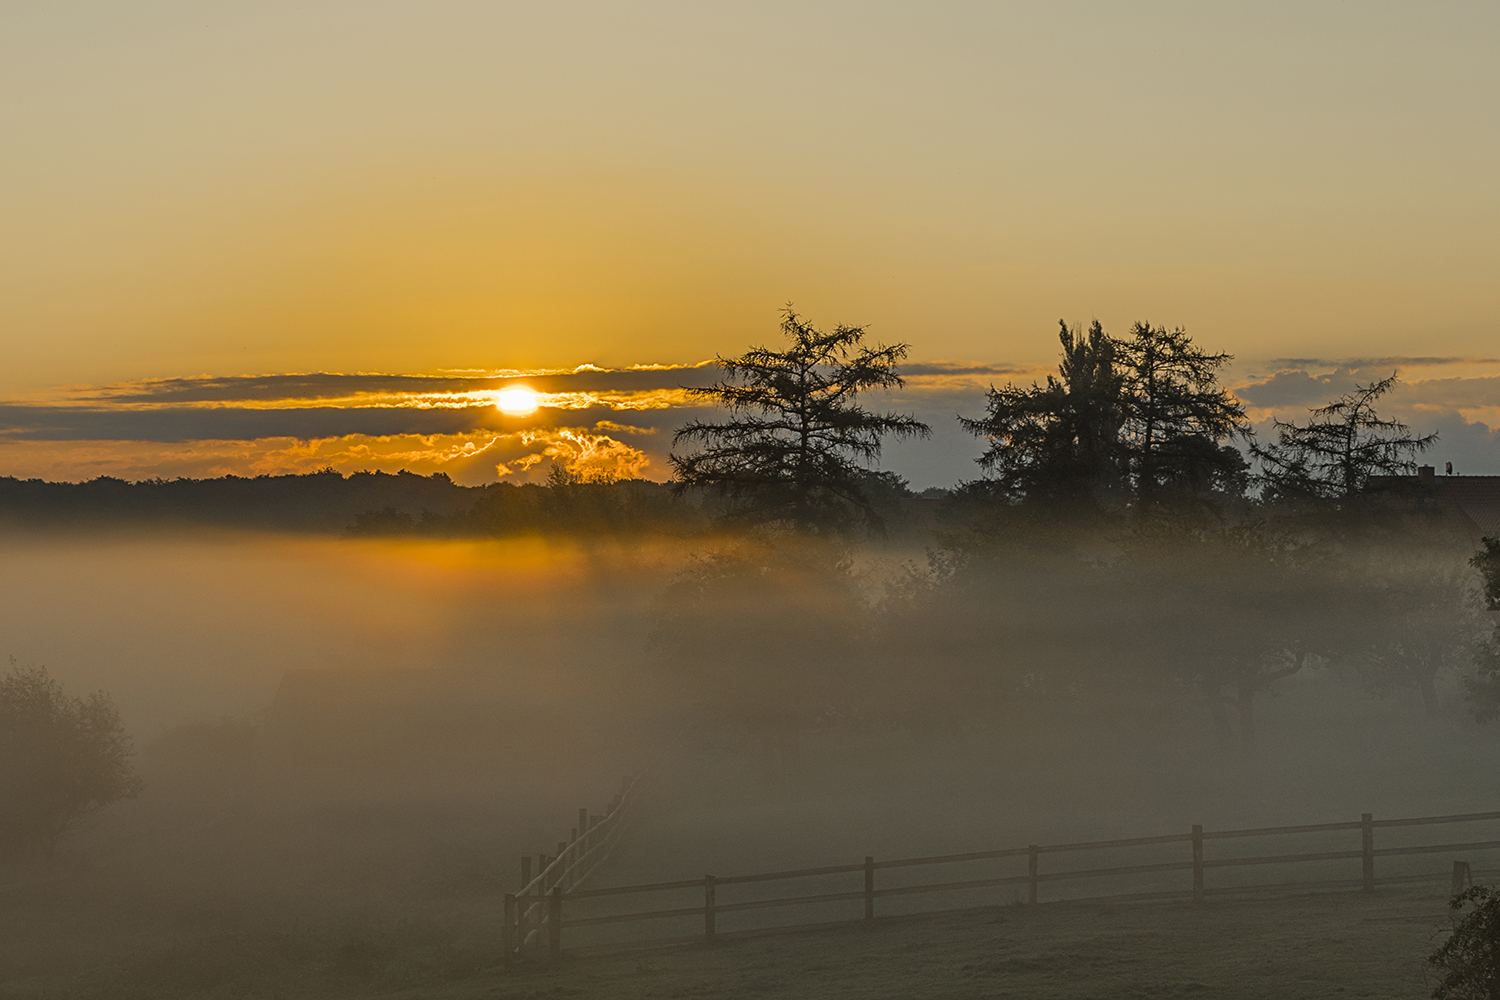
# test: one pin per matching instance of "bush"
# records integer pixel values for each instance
(61, 759)
(1470, 959)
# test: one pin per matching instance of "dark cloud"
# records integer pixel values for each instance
(228, 423)
(1300, 388)
(236, 424)
(953, 368)
(1394, 361)
(333, 385)
(1296, 388)
(267, 389)
(1457, 393)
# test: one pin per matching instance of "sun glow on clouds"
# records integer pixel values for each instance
(517, 401)
(470, 458)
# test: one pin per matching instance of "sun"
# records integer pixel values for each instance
(517, 401)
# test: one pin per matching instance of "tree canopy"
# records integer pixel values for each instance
(797, 445)
(1058, 441)
(1134, 419)
(1178, 419)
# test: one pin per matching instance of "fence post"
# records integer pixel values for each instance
(573, 855)
(1031, 853)
(1197, 863)
(869, 888)
(583, 828)
(508, 931)
(708, 907)
(554, 922)
(1462, 878)
(1367, 848)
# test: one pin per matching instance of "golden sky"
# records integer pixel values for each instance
(232, 189)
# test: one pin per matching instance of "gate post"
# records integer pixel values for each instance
(1462, 878)
(508, 931)
(708, 907)
(1197, 863)
(1367, 849)
(554, 922)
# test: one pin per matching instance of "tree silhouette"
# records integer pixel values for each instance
(61, 758)
(1145, 415)
(1178, 419)
(1060, 441)
(1343, 444)
(797, 445)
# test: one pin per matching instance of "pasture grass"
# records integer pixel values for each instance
(1348, 944)
(1330, 945)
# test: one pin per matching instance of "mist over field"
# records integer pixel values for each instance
(346, 745)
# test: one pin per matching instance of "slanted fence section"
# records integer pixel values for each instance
(533, 915)
(1192, 866)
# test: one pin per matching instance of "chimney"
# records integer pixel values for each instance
(1426, 475)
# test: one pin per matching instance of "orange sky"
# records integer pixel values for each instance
(404, 188)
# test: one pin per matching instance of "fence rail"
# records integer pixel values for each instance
(536, 909)
(556, 886)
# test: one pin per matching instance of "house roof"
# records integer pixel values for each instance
(1477, 498)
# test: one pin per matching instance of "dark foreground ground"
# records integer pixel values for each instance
(1310, 946)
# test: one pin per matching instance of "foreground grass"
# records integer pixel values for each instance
(1313, 946)
(1348, 944)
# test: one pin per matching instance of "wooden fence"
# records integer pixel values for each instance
(535, 910)
(555, 894)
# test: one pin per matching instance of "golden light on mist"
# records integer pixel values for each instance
(517, 401)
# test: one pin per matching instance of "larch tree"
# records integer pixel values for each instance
(1333, 456)
(797, 445)
(1179, 421)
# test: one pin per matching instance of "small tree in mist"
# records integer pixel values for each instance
(764, 637)
(1483, 689)
(1058, 442)
(1411, 623)
(797, 444)
(61, 759)
(1468, 963)
(1333, 456)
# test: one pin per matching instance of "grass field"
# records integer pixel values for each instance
(1348, 944)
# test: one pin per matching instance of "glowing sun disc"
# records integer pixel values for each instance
(517, 401)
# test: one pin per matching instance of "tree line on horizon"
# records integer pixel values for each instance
(1138, 428)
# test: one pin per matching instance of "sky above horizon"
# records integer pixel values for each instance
(194, 194)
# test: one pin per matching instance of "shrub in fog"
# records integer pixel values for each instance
(765, 633)
(61, 759)
(1468, 963)
(1484, 686)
